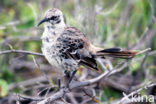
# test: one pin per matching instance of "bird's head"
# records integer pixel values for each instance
(53, 18)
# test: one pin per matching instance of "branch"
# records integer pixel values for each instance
(20, 51)
(63, 91)
(75, 85)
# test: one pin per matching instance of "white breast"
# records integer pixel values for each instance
(48, 40)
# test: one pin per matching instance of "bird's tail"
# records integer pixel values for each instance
(119, 53)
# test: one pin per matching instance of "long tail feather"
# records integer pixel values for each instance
(119, 53)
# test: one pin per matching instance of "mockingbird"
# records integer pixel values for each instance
(67, 47)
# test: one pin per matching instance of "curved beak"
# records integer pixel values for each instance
(42, 21)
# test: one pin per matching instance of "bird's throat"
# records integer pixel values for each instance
(57, 28)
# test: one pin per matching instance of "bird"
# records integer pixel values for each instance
(67, 48)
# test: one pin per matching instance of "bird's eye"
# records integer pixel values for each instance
(54, 17)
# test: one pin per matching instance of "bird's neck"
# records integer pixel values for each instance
(53, 31)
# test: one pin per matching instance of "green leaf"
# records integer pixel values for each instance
(3, 88)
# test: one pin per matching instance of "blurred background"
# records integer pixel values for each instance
(129, 24)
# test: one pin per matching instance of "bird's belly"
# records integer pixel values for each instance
(51, 55)
(55, 58)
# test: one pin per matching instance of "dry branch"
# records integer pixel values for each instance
(20, 51)
(63, 91)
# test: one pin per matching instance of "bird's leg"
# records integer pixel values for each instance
(59, 84)
(71, 76)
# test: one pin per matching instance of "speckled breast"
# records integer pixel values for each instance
(54, 54)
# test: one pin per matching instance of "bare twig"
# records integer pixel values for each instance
(143, 51)
(20, 51)
(63, 91)
(30, 98)
(27, 83)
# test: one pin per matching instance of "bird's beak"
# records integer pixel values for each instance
(42, 21)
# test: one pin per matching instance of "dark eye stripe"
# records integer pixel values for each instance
(54, 17)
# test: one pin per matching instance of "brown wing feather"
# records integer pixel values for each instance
(76, 46)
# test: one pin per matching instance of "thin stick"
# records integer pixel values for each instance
(143, 51)
(21, 51)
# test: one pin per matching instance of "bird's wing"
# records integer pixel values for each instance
(75, 46)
